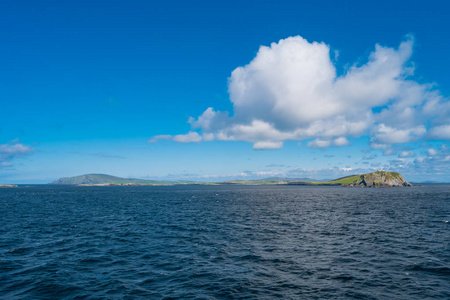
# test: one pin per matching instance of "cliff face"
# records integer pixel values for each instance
(380, 179)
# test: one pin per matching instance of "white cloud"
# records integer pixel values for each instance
(434, 166)
(440, 132)
(208, 137)
(388, 152)
(431, 152)
(420, 160)
(405, 154)
(340, 141)
(291, 91)
(378, 146)
(190, 137)
(12, 150)
(388, 135)
(267, 145)
(156, 138)
(15, 149)
(255, 131)
(346, 169)
(318, 143)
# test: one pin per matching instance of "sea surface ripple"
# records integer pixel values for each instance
(221, 242)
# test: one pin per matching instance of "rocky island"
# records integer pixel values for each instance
(375, 179)
(379, 179)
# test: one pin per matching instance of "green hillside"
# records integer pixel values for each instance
(343, 180)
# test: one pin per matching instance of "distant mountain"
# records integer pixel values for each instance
(98, 179)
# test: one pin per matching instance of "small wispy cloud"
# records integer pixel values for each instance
(160, 137)
(369, 157)
(431, 152)
(190, 137)
(106, 155)
(275, 166)
(405, 154)
(13, 150)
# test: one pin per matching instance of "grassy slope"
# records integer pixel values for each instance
(343, 180)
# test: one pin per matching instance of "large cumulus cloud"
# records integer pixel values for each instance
(291, 91)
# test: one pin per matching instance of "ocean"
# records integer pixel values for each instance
(224, 242)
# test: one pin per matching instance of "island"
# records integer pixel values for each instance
(375, 179)
(8, 185)
(109, 180)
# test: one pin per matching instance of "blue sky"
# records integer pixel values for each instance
(209, 91)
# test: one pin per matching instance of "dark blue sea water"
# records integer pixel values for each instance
(221, 242)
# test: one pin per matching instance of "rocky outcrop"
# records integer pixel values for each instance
(380, 179)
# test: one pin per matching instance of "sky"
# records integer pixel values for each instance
(209, 91)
